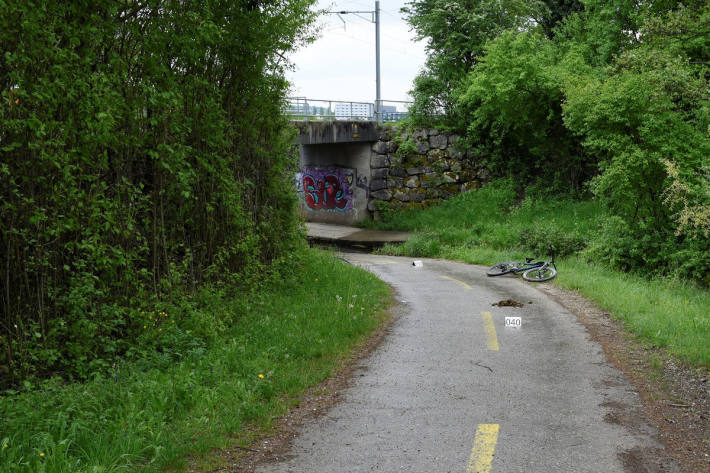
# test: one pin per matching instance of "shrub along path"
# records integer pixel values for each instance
(151, 414)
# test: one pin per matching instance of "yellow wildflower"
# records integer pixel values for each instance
(261, 376)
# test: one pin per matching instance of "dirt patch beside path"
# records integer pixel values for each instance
(676, 397)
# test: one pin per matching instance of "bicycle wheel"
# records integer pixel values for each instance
(543, 273)
(502, 268)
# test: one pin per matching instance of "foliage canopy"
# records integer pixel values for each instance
(142, 151)
(603, 96)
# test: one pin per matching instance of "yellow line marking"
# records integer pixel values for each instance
(484, 446)
(460, 283)
(490, 329)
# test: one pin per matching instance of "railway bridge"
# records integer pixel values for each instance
(335, 176)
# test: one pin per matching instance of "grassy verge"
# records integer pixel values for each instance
(487, 226)
(149, 415)
(668, 313)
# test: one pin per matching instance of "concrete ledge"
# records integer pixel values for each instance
(352, 236)
(321, 132)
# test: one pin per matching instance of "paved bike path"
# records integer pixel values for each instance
(453, 390)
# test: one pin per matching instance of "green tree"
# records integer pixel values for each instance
(646, 118)
(456, 32)
(555, 13)
(603, 29)
(512, 111)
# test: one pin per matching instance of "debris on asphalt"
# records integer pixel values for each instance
(508, 303)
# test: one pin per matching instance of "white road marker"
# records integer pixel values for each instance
(513, 322)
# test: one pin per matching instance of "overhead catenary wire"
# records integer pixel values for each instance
(350, 49)
(371, 43)
(376, 20)
(403, 41)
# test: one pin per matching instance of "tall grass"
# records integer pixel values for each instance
(148, 415)
(488, 225)
(668, 313)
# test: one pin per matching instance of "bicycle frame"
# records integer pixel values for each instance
(528, 266)
(520, 267)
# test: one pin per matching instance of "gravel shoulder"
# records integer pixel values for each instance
(675, 397)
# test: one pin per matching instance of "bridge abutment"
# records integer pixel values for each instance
(350, 170)
(334, 182)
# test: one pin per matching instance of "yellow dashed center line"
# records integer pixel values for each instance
(490, 329)
(460, 283)
(484, 446)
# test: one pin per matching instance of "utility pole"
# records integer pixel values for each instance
(375, 18)
(378, 100)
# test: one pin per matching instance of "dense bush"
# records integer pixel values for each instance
(551, 241)
(512, 113)
(142, 151)
(167, 409)
(646, 120)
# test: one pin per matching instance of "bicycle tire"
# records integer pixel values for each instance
(501, 268)
(543, 273)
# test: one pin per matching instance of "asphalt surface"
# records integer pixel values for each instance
(446, 392)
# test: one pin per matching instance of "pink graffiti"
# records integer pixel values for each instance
(324, 194)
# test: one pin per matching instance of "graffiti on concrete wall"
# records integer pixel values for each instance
(326, 188)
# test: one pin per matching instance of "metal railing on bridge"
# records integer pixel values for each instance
(302, 108)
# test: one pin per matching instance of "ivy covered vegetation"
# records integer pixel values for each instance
(608, 99)
(143, 161)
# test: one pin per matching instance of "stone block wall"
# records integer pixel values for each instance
(419, 168)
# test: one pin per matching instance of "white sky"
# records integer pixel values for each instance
(340, 65)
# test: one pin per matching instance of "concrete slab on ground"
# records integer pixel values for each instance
(341, 234)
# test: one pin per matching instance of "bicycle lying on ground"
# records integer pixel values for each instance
(534, 271)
